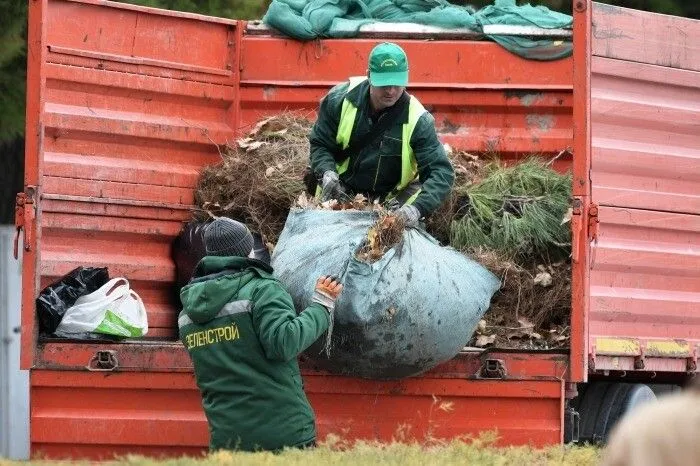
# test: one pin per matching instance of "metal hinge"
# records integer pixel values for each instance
(24, 218)
(579, 221)
(593, 222)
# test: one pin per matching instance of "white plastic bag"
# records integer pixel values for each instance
(114, 309)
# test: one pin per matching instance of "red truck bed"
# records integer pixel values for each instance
(124, 103)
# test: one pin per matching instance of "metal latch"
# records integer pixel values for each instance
(493, 369)
(24, 218)
(103, 361)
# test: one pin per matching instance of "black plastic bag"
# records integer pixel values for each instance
(189, 249)
(55, 299)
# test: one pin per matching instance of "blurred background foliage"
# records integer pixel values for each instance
(13, 35)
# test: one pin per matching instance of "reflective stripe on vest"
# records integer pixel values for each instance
(409, 167)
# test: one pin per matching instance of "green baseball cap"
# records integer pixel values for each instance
(388, 65)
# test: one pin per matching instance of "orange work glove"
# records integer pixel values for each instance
(327, 291)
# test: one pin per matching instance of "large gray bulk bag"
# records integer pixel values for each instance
(402, 315)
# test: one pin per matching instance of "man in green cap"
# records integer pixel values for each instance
(373, 138)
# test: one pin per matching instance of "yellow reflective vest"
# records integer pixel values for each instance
(409, 167)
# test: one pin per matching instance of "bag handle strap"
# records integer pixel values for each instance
(113, 289)
(143, 315)
(118, 285)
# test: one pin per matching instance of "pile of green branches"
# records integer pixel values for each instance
(518, 210)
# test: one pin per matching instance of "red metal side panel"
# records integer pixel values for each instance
(645, 277)
(124, 106)
(646, 143)
(646, 262)
(83, 415)
(581, 190)
(133, 103)
(483, 97)
(98, 415)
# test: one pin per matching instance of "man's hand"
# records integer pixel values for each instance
(332, 188)
(410, 215)
(327, 291)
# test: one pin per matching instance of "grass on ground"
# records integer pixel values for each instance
(335, 452)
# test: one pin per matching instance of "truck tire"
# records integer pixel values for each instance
(603, 404)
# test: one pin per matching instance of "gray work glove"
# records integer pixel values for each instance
(410, 215)
(327, 291)
(332, 188)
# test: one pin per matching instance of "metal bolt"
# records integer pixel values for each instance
(580, 5)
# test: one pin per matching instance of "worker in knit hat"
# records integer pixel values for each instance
(243, 334)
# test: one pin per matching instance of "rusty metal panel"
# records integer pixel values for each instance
(643, 37)
(97, 415)
(510, 106)
(133, 104)
(645, 174)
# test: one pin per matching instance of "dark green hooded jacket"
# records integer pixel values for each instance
(239, 325)
(376, 170)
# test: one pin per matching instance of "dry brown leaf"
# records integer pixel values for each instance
(250, 145)
(525, 323)
(543, 279)
(485, 340)
(329, 205)
(567, 216)
(446, 406)
(259, 126)
(304, 201)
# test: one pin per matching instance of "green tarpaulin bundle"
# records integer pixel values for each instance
(314, 19)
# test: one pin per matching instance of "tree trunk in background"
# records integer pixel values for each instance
(11, 177)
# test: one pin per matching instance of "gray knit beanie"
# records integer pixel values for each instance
(227, 237)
